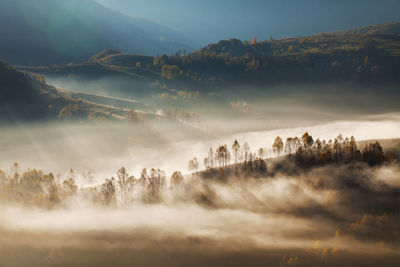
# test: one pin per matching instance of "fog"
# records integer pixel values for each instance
(323, 216)
(320, 216)
(100, 149)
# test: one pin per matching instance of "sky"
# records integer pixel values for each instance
(209, 21)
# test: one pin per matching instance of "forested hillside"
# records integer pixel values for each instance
(366, 55)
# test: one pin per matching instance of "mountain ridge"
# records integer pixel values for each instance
(59, 32)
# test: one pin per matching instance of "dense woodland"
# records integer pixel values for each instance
(37, 188)
(314, 59)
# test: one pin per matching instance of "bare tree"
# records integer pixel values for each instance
(206, 163)
(122, 175)
(246, 150)
(236, 149)
(289, 146)
(108, 191)
(193, 165)
(155, 186)
(211, 159)
(223, 155)
(176, 179)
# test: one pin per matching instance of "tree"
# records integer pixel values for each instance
(277, 147)
(236, 149)
(176, 179)
(108, 191)
(193, 165)
(143, 178)
(223, 156)
(318, 147)
(246, 150)
(211, 157)
(296, 144)
(133, 116)
(351, 148)
(206, 163)
(307, 140)
(373, 154)
(288, 146)
(261, 153)
(170, 71)
(69, 187)
(69, 112)
(291, 49)
(122, 182)
(126, 184)
(155, 61)
(156, 184)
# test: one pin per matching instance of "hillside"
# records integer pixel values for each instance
(316, 70)
(365, 55)
(361, 55)
(28, 98)
(382, 36)
(59, 32)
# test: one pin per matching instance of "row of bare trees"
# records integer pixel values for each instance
(148, 188)
(222, 155)
(36, 188)
(307, 152)
(310, 152)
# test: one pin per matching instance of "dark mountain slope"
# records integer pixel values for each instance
(57, 32)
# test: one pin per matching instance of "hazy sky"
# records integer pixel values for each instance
(208, 21)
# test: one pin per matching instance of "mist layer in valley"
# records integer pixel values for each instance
(281, 216)
(277, 216)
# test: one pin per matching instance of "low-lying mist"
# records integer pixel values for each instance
(99, 149)
(322, 216)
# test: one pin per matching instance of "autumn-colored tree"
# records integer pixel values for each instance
(307, 140)
(277, 147)
(170, 72)
(261, 153)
